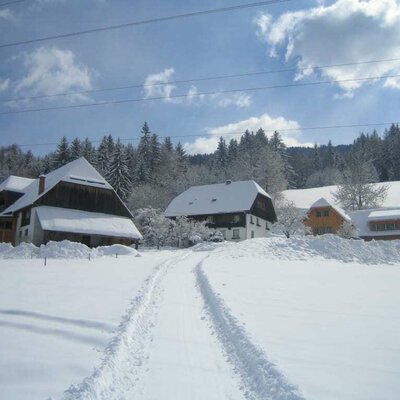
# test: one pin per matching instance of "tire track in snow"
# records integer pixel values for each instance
(260, 378)
(125, 358)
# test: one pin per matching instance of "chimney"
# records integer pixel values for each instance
(42, 181)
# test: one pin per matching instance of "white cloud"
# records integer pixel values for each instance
(4, 83)
(6, 14)
(52, 70)
(235, 130)
(157, 85)
(343, 32)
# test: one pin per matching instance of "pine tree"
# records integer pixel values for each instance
(168, 144)
(143, 166)
(118, 175)
(89, 152)
(155, 156)
(62, 155)
(221, 154)
(75, 149)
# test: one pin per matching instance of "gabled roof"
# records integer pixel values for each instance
(322, 202)
(15, 184)
(78, 171)
(219, 198)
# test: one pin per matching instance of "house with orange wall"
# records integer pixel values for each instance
(324, 217)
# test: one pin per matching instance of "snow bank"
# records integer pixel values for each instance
(325, 247)
(63, 250)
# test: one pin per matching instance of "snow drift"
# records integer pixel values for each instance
(64, 249)
(325, 247)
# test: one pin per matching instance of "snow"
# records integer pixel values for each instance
(271, 318)
(56, 321)
(68, 173)
(215, 199)
(67, 220)
(325, 203)
(331, 327)
(384, 215)
(64, 249)
(303, 198)
(15, 184)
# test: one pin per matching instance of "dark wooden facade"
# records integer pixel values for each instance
(323, 220)
(7, 198)
(84, 198)
(8, 227)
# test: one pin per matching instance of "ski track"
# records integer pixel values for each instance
(126, 356)
(260, 379)
(137, 364)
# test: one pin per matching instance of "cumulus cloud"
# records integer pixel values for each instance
(343, 32)
(6, 14)
(157, 85)
(235, 130)
(51, 70)
(4, 84)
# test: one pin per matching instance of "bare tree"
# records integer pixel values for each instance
(348, 230)
(290, 219)
(358, 190)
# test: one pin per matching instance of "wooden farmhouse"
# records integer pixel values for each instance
(324, 217)
(73, 203)
(239, 210)
(377, 224)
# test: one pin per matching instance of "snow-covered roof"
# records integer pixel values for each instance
(77, 171)
(303, 198)
(84, 222)
(15, 184)
(219, 198)
(322, 202)
(360, 219)
(384, 215)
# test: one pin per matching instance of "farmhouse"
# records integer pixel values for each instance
(239, 210)
(324, 217)
(73, 202)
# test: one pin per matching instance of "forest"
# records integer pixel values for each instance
(156, 170)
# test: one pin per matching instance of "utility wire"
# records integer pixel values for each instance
(179, 96)
(147, 21)
(210, 78)
(10, 3)
(307, 128)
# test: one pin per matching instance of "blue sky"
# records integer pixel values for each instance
(295, 34)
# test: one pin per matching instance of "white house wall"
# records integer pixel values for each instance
(259, 231)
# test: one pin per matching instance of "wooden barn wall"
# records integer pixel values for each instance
(334, 220)
(85, 198)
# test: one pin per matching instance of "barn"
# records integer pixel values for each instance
(73, 202)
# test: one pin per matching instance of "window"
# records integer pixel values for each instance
(210, 218)
(235, 234)
(326, 213)
(20, 234)
(26, 232)
(258, 222)
(236, 218)
(266, 226)
(323, 230)
(252, 234)
(318, 214)
(251, 219)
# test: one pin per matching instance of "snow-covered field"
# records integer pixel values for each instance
(313, 318)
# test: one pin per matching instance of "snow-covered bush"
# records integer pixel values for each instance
(188, 232)
(290, 219)
(155, 228)
(348, 230)
(216, 237)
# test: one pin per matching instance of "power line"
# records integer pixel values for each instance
(179, 96)
(147, 21)
(210, 78)
(307, 128)
(9, 3)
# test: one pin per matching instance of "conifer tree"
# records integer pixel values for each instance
(75, 149)
(62, 155)
(118, 175)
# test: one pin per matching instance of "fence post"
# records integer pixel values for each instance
(116, 255)
(45, 260)
(89, 256)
